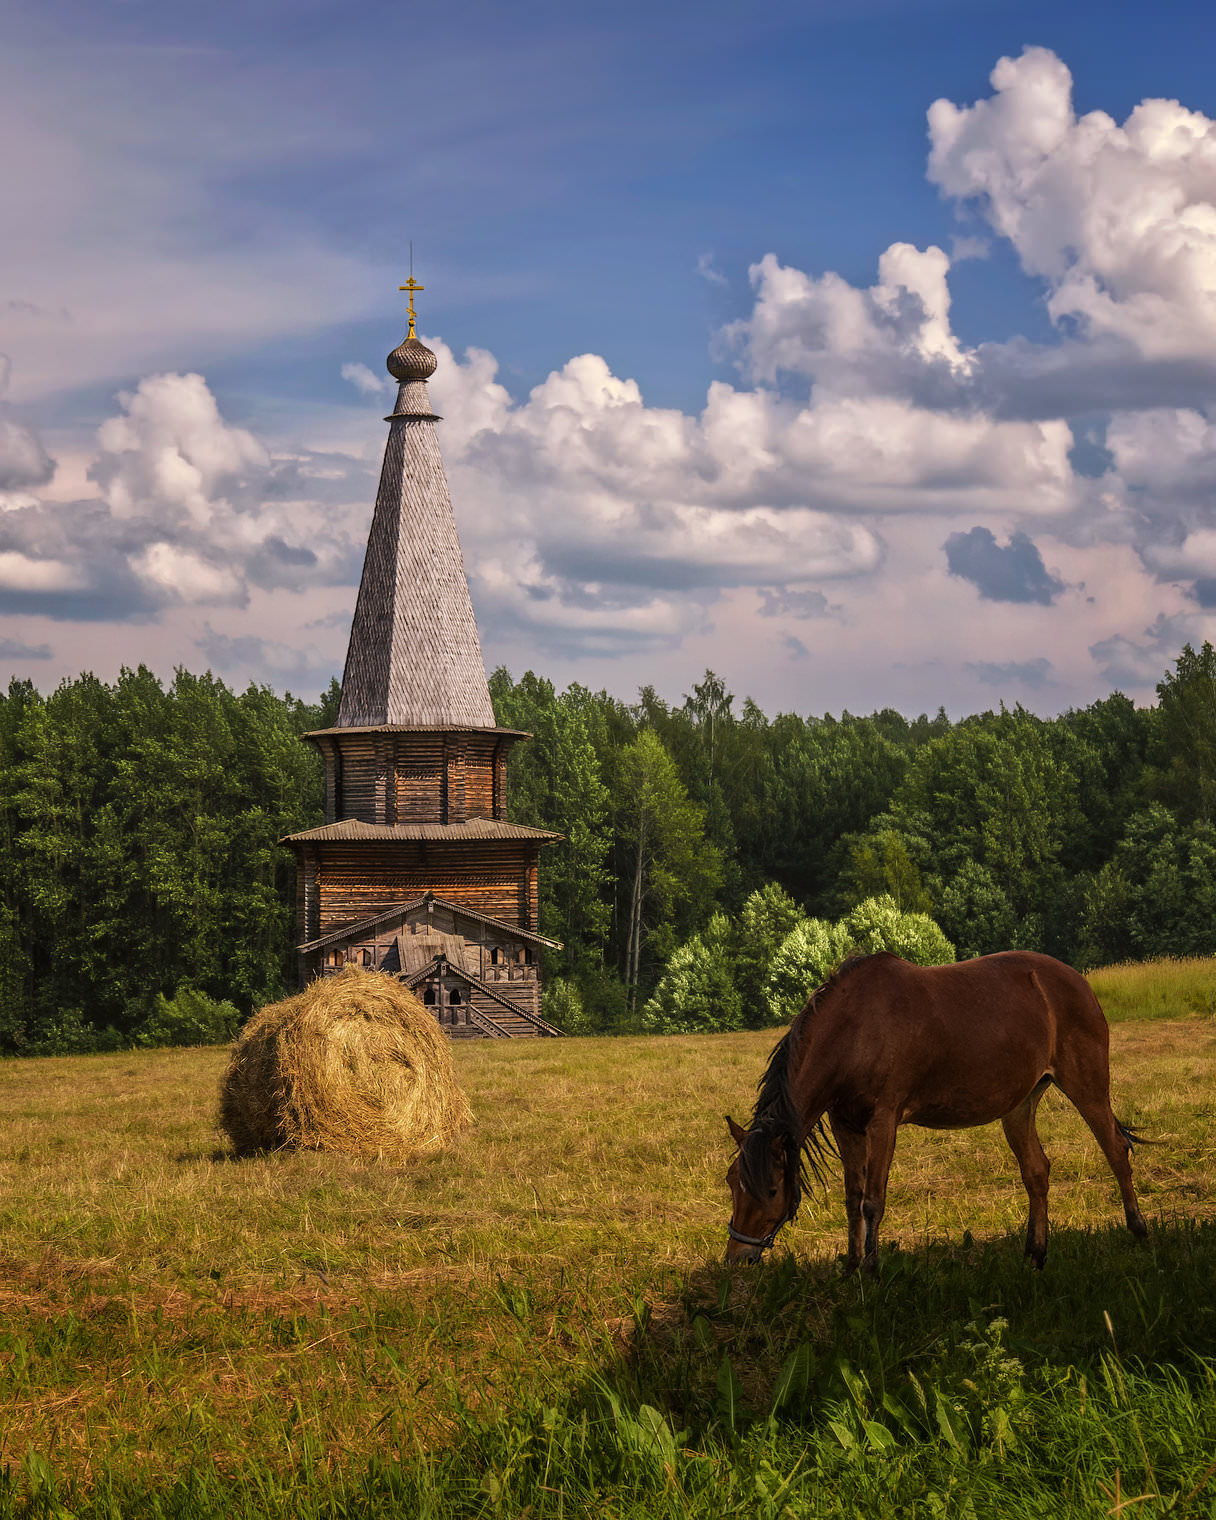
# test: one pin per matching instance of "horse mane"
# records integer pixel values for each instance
(776, 1115)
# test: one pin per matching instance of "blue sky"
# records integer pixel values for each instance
(896, 515)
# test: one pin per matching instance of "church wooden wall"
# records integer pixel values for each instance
(515, 975)
(424, 777)
(493, 955)
(357, 881)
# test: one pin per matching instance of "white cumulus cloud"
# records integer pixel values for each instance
(364, 380)
(1119, 220)
(23, 460)
(21, 572)
(186, 577)
(170, 454)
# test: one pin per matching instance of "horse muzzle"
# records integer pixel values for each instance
(754, 1245)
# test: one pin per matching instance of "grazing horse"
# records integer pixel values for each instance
(884, 1043)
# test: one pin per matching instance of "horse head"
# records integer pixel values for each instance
(764, 1187)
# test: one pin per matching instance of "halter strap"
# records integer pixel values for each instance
(752, 1240)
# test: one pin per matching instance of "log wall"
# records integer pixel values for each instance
(357, 881)
(423, 776)
(430, 776)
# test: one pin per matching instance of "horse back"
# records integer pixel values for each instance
(911, 1034)
(1021, 985)
(1024, 983)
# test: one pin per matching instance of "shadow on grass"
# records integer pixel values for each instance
(961, 1383)
(1101, 1294)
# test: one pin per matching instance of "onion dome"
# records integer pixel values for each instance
(411, 360)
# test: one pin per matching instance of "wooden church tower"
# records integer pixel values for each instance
(416, 869)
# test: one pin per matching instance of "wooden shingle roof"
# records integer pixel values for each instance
(419, 728)
(414, 658)
(368, 926)
(354, 830)
(416, 951)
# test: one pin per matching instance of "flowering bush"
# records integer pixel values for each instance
(878, 924)
(808, 955)
(697, 992)
(814, 948)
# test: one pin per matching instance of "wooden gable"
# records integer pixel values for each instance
(429, 941)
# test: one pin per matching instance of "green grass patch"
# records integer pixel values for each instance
(1162, 989)
(538, 1320)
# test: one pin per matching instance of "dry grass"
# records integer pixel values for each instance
(354, 1064)
(155, 1290)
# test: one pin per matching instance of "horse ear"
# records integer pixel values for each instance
(776, 1147)
(737, 1133)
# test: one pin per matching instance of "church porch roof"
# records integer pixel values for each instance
(367, 926)
(355, 831)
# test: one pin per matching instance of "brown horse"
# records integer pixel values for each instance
(884, 1043)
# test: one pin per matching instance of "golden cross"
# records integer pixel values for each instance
(411, 285)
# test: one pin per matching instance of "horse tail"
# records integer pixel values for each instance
(1133, 1136)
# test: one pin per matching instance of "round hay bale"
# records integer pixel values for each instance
(354, 1063)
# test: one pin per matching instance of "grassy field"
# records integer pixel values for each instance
(538, 1322)
(1156, 989)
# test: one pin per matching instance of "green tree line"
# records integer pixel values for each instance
(139, 853)
(139, 828)
(1091, 835)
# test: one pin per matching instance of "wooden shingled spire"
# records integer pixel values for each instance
(414, 658)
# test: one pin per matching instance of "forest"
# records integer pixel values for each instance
(139, 828)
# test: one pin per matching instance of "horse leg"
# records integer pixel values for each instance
(1090, 1096)
(880, 1137)
(1035, 1168)
(853, 1149)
